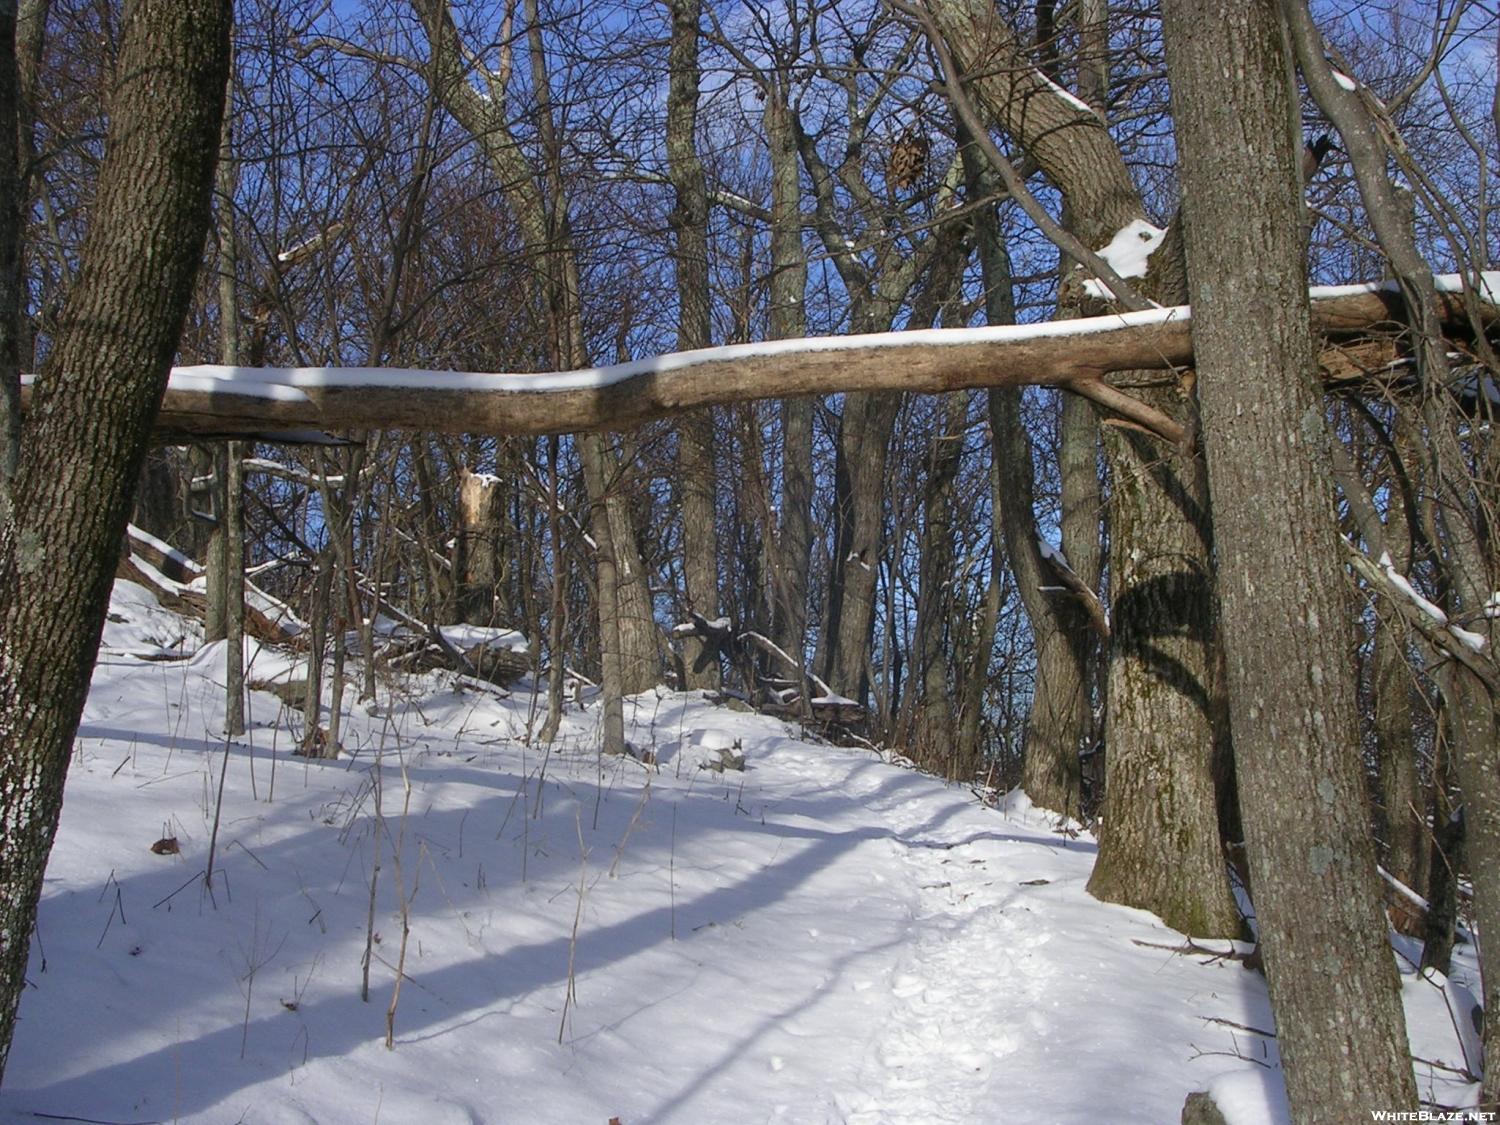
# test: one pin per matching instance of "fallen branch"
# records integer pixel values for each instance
(1073, 354)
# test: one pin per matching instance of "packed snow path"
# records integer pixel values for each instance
(822, 937)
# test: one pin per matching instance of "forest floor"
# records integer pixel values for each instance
(823, 936)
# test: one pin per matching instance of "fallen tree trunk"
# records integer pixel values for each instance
(214, 402)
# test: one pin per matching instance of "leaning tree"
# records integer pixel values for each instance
(85, 436)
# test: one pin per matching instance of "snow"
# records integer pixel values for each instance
(166, 550)
(1487, 285)
(1076, 102)
(821, 937)
(734, 201)
(707, 748)
(1475, 642)
(297, 250)
(1128, 254)
(1251, 1097)
(290, 472)
(206, 379)
(1052, 554)
(137, 627)
(1344, 80)
(1396, 579)
(467, 637)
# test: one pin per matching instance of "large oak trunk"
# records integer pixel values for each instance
(86, 437)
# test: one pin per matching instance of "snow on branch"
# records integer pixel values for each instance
(1072, 584)
(774, 649)
(1468, 648)
(310, 246)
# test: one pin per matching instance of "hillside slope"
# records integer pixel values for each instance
(824, 936)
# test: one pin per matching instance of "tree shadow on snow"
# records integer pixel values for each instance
(337, 1024)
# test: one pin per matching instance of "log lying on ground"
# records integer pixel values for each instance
(501, 656)
(1077, 354)
(174, 579)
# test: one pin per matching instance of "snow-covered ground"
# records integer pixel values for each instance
(824, 936)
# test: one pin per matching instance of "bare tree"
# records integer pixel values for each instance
(1161, 714)
(696, 481)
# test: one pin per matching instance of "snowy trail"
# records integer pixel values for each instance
(964, 990)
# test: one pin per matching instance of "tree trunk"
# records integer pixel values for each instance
(86, 436)
(1082, 515)
(230, 581)
(1159, 846)
(788, 320)
(1051, 773)
(555, 668)
(639, 643)
(313, 743)
(864, 447)
(234, 579)
(10, 255)
(1302, 794)
(476, 559)
(1462, 534)
(1402, 811)
(1475, 739)
(1074, 148)
(1078, 460)
(935, 735)
(612, 676)
(1444, 860)
(215, 564)
(696, 477)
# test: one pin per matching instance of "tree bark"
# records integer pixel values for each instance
(229, 581)
(787, 318)
(10, 254)
(86, 436)
(864, 447)
(476, 561)
(1461, 534)
(696, 477)
(1081, 527)
(1402, 812)
(935, 735)
(1159, 845)
(1329, 967)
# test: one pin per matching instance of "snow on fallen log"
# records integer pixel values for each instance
(1077, 354)
(497, 654)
